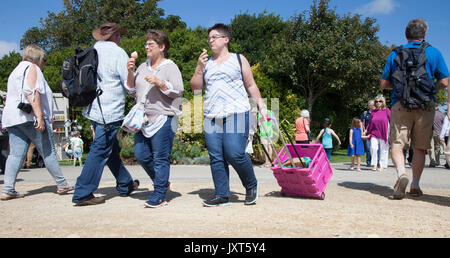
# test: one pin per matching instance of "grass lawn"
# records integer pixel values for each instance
(340, 156)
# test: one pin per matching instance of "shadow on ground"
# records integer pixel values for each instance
(387, 193)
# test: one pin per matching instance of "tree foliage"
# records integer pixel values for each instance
(255, 33)
(74, 25)
(321, 52)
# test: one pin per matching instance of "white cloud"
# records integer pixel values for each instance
(7, 47)
(378, 7)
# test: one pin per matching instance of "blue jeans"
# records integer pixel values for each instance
(328, 152)
(105, 150)
(20, 137)
(226, 140)
(154, 156)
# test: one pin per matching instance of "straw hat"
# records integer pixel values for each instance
(105, 31)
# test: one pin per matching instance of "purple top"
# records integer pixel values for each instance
(379, 124)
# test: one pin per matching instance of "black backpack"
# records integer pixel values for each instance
(411, 83)
(79, 77)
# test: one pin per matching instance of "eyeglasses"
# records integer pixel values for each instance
(214, 37)
(378, 101)
(150, 44)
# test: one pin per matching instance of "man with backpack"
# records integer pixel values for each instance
(106, 113)
(409, 72)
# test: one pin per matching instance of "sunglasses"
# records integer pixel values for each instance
(378, 101)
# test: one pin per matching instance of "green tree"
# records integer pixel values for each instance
(7, 65)
(74, 25)
(254, 33)
(321, 52)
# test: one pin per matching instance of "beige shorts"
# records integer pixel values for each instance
(414, 127)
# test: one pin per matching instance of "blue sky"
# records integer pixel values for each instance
(16, 16)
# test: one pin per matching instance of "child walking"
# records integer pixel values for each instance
(77, 147)
(327, 140)
(356, 145)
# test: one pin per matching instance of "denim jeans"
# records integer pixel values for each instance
(105, 150)
(154, 156)
(20, 137)
(226, 140)
(328, 152)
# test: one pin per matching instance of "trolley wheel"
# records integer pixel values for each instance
(322, 196)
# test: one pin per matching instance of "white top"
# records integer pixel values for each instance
(11, 114)
(151, 128)
(76, 142)
(225, 92)
(445, 128)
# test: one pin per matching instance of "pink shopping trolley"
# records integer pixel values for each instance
(308, 180)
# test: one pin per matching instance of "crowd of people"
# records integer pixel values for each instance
(229, 87)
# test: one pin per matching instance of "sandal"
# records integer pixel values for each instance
(11, 196)
(65, 190)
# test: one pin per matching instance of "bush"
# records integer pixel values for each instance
(189, 150)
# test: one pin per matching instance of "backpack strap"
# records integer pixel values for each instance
(401, 56)
(422, 57)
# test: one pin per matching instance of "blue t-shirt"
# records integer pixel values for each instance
(435, 65)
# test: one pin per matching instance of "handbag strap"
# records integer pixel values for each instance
(23, 82)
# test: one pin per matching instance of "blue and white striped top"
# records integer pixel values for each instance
(225, 92)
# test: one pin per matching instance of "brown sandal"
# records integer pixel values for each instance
(63, 191)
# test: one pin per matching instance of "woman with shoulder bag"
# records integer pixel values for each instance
(226, 111)
(27, 116)
(159, 84)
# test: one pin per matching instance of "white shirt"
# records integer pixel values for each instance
(152, 128)
(445, 128)
(11, 114)
(112, 73)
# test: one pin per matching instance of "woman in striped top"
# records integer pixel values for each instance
(228, 79)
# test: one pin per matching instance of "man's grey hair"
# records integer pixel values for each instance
(371, 102)
(416, 29)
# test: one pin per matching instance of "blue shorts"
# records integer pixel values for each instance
(77, 153)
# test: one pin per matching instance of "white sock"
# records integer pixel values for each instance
(401, 171)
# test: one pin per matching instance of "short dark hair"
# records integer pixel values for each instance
(223, 29)
(160, 38)
(416, 29)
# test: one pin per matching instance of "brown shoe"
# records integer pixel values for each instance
(93, 201)
(400, 187)
(415, 192)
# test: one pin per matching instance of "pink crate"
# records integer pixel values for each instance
(306, 182)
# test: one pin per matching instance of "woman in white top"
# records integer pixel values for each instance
(226, 111)
(27, 116)
(159, 86)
